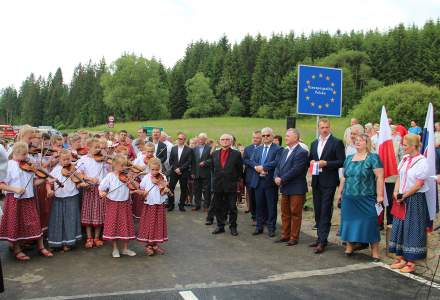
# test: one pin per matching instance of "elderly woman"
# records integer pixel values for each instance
(355, 131)
(361, 187)
(408, 236)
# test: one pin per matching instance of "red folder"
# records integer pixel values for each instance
(399, 209)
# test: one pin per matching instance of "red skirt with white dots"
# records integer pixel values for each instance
(92, 210)
(138, 205)
(153, 224)
(118, 221)
(20, 221)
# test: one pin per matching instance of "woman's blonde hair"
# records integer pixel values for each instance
(365, 137)
(64, 152)
(24, 131)
(120, 159)
(149, 147)
(412, 140)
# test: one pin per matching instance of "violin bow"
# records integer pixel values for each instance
(123, 183)
(70, 176)
(25, 187)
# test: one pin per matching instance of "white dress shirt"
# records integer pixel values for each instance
(321, 144)
(290, 150)
(179, 151)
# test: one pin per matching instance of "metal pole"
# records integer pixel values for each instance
(317, 126)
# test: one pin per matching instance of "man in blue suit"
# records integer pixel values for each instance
(290, 176)
(264, 161)
(249, 172)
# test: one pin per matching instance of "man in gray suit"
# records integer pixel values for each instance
(202, 173)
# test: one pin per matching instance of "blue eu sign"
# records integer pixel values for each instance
(319, 91)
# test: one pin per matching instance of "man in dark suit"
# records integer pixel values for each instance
(329, 154)
(159, 147)
(290, 176)
(264, 161)
(202, 173)
(249, 172)
(181, 163)
(228, 169)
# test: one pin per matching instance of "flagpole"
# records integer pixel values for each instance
(317, 126)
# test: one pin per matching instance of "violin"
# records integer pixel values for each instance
(162, 184)
(101, 157)
(27, 166)
(71, 172)
(130, 181)
(134, 168)
(46, 151)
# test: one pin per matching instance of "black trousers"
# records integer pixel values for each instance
(202, 186)
(225, 203)
(323, 204)
(252, 202)
(183, 181)
(389, 189)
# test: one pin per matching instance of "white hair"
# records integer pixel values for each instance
(203, 135)
(268, 130)
(228, 136)
(294, 131)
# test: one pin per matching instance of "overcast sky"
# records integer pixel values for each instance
(40, 36)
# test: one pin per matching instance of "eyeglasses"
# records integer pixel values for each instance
(265, 135)
(180, 139)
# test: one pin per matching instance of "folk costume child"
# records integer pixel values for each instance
(20, 221)
(92, 210)
(141, 162)
(153, 225)
(118, 222)
(64, 223)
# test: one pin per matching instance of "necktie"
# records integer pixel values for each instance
(264, 155)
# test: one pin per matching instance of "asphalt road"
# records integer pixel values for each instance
(198, 265)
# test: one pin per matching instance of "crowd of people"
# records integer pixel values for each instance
(87, 188)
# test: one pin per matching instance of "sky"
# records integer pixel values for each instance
(40, 36)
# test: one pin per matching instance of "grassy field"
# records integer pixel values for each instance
(241, 128)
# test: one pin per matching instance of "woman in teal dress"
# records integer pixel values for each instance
(360, 189)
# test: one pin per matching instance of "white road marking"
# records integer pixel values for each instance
(409, 275)
(272, 278)
(188, 295)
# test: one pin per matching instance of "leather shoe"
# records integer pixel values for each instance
(234, 231)
(271, 234)
(319, 249)
(281, 241)
(209, 222)
(218, 230)
(314, 244)
(292, 243)
(257, 232)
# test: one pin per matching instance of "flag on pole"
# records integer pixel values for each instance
(428, 150)
(386, 150)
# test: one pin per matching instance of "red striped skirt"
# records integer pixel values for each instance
(92, 210)
(20, 221)
(138, 205)
(118, 221)
(44, 205)
(153, 224)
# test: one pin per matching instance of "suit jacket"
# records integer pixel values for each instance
(269, 165)
(293, 171)
(185, 163)
(205, 171)
(226, 179)
(248, 169)
(334, 154)
(161, 152)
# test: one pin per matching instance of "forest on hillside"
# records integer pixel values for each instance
(255, 77)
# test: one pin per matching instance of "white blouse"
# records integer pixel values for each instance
(116, 189)
(411, 170)
(69, 188)
(16, 177)
(154, 196)
(92, 168)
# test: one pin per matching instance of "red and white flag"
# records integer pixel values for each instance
(386, 149)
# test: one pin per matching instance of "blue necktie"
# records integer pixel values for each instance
(264, 155)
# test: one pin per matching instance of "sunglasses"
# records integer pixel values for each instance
(265, 135)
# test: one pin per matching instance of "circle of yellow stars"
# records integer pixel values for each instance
(312, 103)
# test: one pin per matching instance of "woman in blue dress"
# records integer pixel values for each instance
(360, 189)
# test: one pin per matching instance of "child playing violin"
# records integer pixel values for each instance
(64, 223)
(118, 222)
(141, 163)
(153, 224)
(92, 211)
(20, 221)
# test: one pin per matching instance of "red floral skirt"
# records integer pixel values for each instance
(118, 221)
(153, 224)
(92, 210)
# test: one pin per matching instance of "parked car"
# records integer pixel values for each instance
(7, 132)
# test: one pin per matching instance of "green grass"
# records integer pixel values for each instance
(241, 128)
